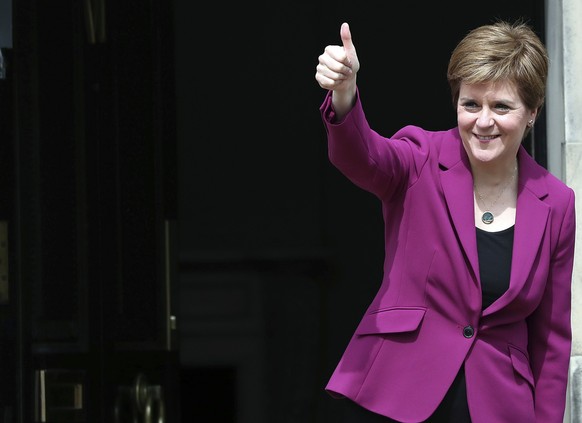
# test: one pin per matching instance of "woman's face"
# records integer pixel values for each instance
(492, 120)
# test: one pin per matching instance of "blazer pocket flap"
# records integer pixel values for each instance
(392, 320)
(520, 362)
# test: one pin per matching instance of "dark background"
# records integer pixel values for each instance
(279, 253)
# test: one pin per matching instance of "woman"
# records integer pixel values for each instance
(472, 319)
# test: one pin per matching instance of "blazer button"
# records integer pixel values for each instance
(468, 331)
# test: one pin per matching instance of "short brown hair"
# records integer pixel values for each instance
(501, 51)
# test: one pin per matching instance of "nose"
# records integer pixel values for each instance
(485, 118)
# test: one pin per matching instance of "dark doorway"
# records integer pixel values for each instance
(279, 254)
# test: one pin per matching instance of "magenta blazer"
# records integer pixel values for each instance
(426, 319)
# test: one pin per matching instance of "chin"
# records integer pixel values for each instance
(484, 156)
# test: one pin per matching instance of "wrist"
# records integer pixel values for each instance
(343, 101)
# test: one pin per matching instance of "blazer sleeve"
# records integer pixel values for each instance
(550, 335)
(381, 165)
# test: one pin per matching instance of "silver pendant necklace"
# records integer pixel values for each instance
(487, 216)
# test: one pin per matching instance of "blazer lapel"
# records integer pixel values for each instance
(530, 224)
(457, 184)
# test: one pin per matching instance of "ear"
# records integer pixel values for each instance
(533, 116)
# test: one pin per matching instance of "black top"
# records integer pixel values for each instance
(494, 249)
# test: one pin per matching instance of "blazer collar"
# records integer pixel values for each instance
(457, 185)
(531, 221)
(531, 217)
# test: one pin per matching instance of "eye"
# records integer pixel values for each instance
(502, 107)
(470, 106)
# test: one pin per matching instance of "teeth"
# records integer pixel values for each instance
(490, 137)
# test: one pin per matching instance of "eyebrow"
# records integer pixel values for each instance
(502, 100)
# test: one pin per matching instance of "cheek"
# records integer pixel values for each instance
(464, 121)
(513, 128)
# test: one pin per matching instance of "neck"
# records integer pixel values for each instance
(493, 176)
(495, 201)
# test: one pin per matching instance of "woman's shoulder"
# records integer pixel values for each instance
(440, 145)
(546, 184)
(421, 133)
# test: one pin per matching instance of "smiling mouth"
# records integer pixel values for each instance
(485, 137)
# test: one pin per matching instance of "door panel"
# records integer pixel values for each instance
(8, 290)
(94, 212)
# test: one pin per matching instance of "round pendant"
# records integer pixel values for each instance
(487, 218)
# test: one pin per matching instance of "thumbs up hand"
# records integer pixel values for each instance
(337, 69)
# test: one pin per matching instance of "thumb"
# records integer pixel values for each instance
(347, 39)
